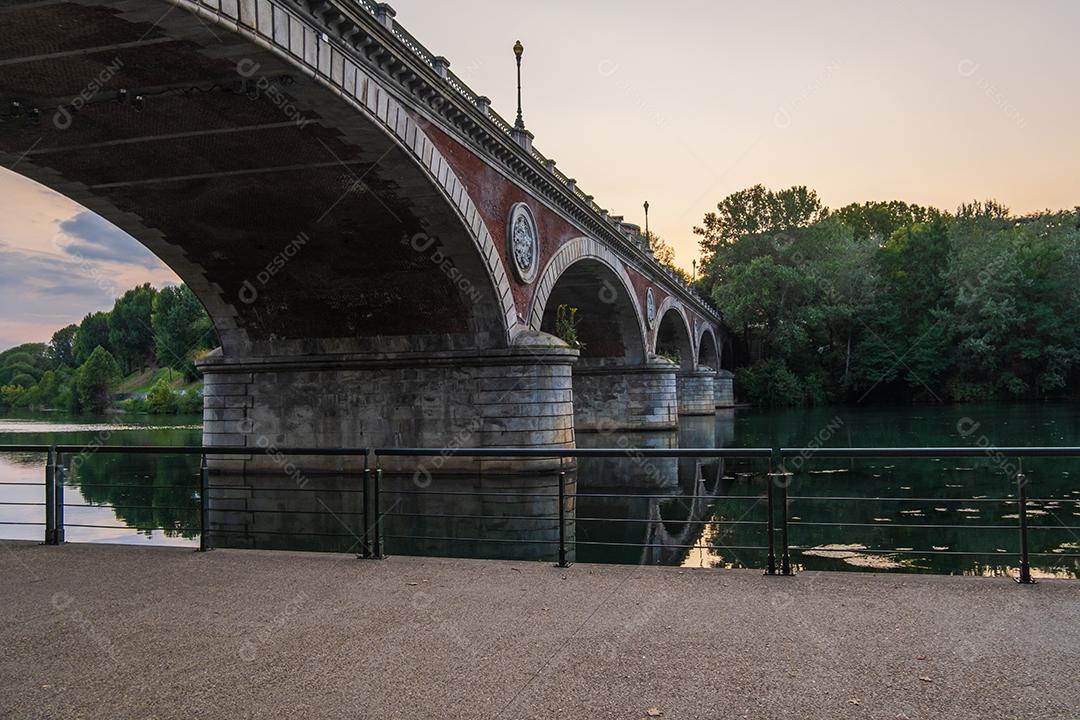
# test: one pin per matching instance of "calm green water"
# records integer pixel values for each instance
(922, 515)
(108, 497)
(933, 511)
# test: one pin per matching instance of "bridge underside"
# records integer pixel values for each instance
(354, 303)
(279, 204)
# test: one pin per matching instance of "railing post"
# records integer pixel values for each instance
(58, 498)
(1021, 500)
(770, 522)
(365, 513)
(378, 552)
(204, 505)
(50, 498)
(785, 557)
(562, 520)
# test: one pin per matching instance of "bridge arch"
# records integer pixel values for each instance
(673, 334)
(708, 350)
(616, 384)
(587, 275)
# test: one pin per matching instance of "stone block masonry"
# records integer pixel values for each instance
(696, 392)
(610, 399)
(517, 398)
(725, 389)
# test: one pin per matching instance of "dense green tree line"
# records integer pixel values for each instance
(887, 301)
(79, 368)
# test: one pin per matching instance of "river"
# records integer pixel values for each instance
(921, 515)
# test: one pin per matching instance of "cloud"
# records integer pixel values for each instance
(26, 276)
(59, 261)
(41, 292)
(92, 238)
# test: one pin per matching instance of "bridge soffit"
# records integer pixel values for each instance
(308, 46)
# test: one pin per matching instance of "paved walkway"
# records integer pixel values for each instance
(97, 631)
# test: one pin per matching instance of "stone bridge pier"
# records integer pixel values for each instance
(519, 397)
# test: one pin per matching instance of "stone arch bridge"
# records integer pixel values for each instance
(382, 255)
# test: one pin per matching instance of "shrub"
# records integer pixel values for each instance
(134, 405)
(191, 403)
(959, 391)
(12, 395)
(672, 355)
(161, 400)
(770, 383)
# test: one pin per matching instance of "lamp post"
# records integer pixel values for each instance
(518, 50)
(648, 238)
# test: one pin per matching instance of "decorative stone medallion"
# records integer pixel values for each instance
(650, 307)
(523, 242)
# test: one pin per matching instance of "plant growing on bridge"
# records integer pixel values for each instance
(672, 355)
(566, 322)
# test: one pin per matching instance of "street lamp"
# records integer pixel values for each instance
(518, 50)
(648, 238)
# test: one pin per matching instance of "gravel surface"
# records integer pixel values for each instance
(98, 631)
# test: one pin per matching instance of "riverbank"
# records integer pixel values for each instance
(169, 633)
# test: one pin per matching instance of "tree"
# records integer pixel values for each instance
(750, 222)
(181, 328)
(665, 255)
(26, 359)
(131, 334)
(907, 343)
(987, 210)
(62, 346)
(18, 370)
(23, 380)
(877, 221)
(95, 380)
(93, 332)
(1013, 303)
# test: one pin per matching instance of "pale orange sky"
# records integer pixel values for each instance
(684, 103)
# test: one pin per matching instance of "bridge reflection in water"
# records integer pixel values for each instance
(485, 511)
(671, 511)
(629, 508)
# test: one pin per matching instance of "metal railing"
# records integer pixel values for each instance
(1002, 456)
(565, 499)
(372, 486)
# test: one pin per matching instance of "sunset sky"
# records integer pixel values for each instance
(683, 103)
